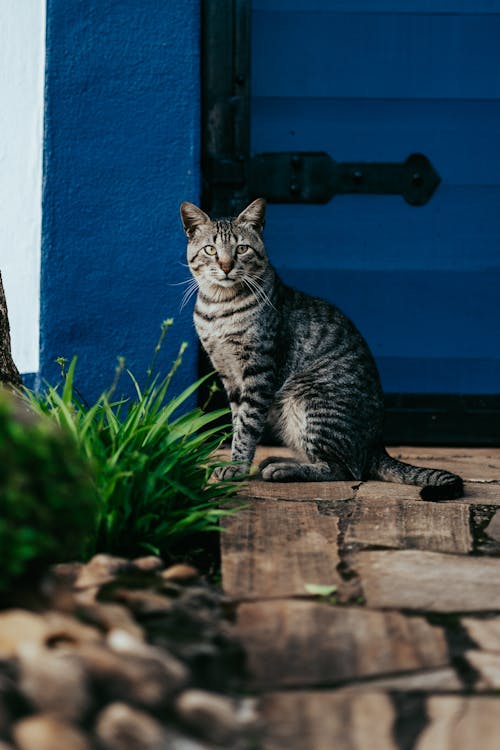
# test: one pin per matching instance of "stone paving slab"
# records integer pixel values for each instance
(487, 666)
(302, 643)
(484, 631)
(406, 524)
(493, 528)
(257, 489)
(444, 680)
(460, 723)
(314, 720)
(428, 581)
(475, 493)
(275, 548)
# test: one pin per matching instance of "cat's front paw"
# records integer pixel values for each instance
(233, 473)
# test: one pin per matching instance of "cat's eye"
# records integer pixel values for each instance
(241, 249)
(210, 249)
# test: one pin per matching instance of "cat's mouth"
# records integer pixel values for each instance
(226, 283)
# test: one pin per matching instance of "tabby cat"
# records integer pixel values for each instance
(292, 361)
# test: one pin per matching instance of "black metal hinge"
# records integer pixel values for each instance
(311, 177)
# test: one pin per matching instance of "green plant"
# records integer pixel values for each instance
(48, 502)
(322, 592)
(151, 464)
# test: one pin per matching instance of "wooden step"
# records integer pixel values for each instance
(301, 643)
(275, 549)
(428, 581)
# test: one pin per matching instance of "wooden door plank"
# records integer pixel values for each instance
(275, 548)
(461, 723)
(314, 720)
(406, 524)
(302, 643)
(431, 581)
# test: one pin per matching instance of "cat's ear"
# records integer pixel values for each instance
(254, 214)
(192, 217)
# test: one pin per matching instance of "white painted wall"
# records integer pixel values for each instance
(22, 61)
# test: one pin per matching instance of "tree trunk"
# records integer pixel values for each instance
(9, 373)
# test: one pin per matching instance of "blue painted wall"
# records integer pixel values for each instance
(121, 152)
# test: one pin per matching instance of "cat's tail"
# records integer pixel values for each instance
(437, 484)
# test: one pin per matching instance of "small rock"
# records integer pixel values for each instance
(144, 681)
(124, 643)
(101, 569)
(180, 572)
(197, 597)
(66, 630)
(178, 741)
(214, 717)
(171, 589)
(55, 682)
(43, 732)
(149, 564)
(143, 602)
(18, 626)
(121, 727)
(108, 616)
(66, 572)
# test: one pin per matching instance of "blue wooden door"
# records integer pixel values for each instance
(376, 81)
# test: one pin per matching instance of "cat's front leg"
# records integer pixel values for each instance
(254, 402)
(234, 398)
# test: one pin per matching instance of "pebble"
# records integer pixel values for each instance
(109, 616)
(44, 732)
(143, 602)
(65, 630)
(180, 572)
(148, 564)
(121, 727)
(144, 681)
(18, 626)
(54, 682)
(124, 643)
(101, 569)
(213, 716)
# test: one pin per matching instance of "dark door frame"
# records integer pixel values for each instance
(425, 419)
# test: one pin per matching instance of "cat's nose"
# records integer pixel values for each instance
(226, 265)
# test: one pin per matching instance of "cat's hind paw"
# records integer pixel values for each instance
(276, 460)
(283, 471)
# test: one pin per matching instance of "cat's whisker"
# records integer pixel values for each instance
(254, 289)
(180, 283)
(245, 281)
(261, 290)
(188, 293)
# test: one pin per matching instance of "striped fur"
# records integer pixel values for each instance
(289, 361)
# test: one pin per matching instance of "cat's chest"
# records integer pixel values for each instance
(230, 340)
(227, 338)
